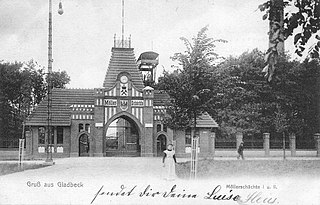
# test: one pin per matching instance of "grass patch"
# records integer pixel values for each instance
(258, 168)
(8, 168)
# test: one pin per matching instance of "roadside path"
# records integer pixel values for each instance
(51, 185)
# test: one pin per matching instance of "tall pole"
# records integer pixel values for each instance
(49, 82)
(284, 144)
(122, 30)
(48, 139)
(194, 144)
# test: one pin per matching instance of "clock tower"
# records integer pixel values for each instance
(124, 107)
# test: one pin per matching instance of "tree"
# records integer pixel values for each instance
(59, 79)
(243, 102)
(189, 87)
(236, 101)
(22, 87)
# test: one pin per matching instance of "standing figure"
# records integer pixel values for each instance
(169, 160)
(240, 151)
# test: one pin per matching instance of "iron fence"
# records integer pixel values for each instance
(275, 143)
(9, 143)
(225, 144)
(306, 144)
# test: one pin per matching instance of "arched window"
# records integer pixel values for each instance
(158, 128)
(87, 128)
(80, 127)
(165, 128)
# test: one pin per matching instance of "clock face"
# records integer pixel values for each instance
(124, 79)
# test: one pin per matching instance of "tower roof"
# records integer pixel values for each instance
(123, 60)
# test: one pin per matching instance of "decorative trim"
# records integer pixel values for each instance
(82, 117)
(109, 112)
(138, 113)
(148, 125)
(135, 92)
(112, 92)
(99, 124)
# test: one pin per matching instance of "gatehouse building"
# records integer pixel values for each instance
(122, 118)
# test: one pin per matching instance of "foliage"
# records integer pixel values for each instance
(237, 104)
(244, 102)
(22, 87)
(305, 16)
(59, 79)
(188, 87)
(301, 19)
(236, 95)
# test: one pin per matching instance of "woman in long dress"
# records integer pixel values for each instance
(169, 160)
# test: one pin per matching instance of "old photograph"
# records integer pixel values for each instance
(160, 102)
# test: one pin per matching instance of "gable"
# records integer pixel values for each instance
(123, 60)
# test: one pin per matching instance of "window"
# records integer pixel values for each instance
(41, 135)
(87, 128)
(59, 135)
(80, 127)
(188, 136)
(165, 128)
(158, 128)
(52, 135)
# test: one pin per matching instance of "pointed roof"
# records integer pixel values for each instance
(205, 120)
(62, 99)
(161, 98)
(123, 60)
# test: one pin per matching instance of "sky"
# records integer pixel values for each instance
(83, 35)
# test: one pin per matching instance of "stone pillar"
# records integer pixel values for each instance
(147, 144)
(181, 143)
(212, 141)
(266, 144)
(99, 128)
(317, 138)
(147, 139)
(292, 142)
(239, 137)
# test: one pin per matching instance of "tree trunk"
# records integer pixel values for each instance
(276, 15)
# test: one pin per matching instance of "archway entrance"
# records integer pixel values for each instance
(122, 138)
(161, 144)
(84, 145)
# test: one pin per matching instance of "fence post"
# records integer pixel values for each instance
(239, 137)
(266, 144)
(317, 138)
(292, 138)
